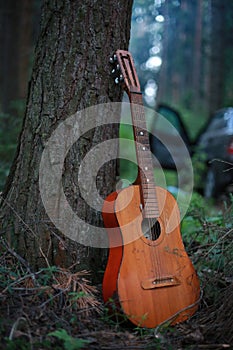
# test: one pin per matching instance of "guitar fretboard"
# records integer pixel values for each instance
(144, 159)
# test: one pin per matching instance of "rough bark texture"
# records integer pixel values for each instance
(71, 72)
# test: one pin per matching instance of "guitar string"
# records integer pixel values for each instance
(155, 255)
(152, 225)
(153, 252)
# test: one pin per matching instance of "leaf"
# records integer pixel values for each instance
(70, 343)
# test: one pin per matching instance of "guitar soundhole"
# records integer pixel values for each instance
(151, 229)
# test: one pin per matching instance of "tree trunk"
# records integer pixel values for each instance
(71, 73)
(197, 52)
(217, 55)
(16, 45)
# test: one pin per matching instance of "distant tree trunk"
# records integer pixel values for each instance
(196, 72)
(16, 48)
(219, 9)
(166, 78)
(178, 54)
(71, 72)
(205, 57)
(197, 86)
(228, 88)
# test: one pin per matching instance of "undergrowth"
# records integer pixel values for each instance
(56, 308)
(207, 231)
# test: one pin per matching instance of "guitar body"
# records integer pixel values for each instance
(153, 280)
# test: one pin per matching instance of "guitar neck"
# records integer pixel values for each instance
(143, 154)
(123, 64)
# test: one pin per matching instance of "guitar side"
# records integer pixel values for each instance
(109, 284)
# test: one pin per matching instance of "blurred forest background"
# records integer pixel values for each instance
(183, 51)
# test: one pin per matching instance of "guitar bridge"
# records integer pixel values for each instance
(160, 282)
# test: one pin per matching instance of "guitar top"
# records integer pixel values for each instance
(148, 274)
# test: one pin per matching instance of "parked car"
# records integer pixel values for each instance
(163, 138)
(215, 142)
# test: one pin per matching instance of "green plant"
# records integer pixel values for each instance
(17, 344)
(70, 343)
(113, 316)
(207, 232)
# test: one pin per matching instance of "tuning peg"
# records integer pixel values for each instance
(113, 59)
(113, 71)
(121, 78)
(118, 66)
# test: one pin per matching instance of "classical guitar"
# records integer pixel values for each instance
(148, 274)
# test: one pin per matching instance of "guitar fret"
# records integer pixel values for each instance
(151, 204)
(152, 211)
(148, 183)
(151, 208)
(148, 207)
(148, 189)
(150, 198)
(144, 152)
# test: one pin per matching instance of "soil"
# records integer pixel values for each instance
(30, 313)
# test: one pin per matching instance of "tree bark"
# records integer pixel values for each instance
(71, 73)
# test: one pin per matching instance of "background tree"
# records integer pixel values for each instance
(16, 20)
(70, 73)
(19, 25)
(220, 47)
(196, 74)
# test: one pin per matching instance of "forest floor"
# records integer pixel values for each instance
(37, 316)
(56, 308)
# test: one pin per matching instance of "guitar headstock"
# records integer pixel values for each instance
(124, 71)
